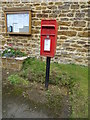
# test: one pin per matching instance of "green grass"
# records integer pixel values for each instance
(16, 80)
(35, 70)
(75, 77)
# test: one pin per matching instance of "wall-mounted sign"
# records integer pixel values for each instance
(18, 22)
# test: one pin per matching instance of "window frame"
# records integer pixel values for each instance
(18, 11)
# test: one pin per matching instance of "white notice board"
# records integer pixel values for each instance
(47, 45)
(18, 22)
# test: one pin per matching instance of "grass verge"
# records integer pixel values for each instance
(74, 77)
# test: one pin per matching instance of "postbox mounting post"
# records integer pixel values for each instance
(47, 72)
(48, 43)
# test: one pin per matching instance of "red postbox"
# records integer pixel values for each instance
(48, 38)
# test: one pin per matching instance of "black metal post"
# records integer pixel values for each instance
(47, 72)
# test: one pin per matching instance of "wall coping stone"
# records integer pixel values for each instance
(20, 58)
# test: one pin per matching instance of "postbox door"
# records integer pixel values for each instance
(47, 45)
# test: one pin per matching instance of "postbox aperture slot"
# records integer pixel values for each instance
(47, 34)
(49, 26)
(48, 29)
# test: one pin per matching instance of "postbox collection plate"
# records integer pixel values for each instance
(47, 44)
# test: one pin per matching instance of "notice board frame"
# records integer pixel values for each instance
(17, 11)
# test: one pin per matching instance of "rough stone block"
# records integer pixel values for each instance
(63, 37)
(79, 23)
(51, 3)
(38, 8)
(63, 28)
(56, 11)
(74, 6)
(81, 42)
(67, 33)
(43, 8)
(64, 23)
(34, 31)
(75, 45)
(4, 65)
(82, 50)
(84, 34)
(69, 48)
(78, 14)
(10, 60)
(36, 23)
(62, 15)
(52, 7)
(70, 14)
(64, 19)
(58, 3)
(84, 6)
(42, 15)
(36, 4)
(53, 15)
(76, 28)
(43, 4)
(46, 11)
(14, 66)
(63, 7)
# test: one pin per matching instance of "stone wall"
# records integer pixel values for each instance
(72, 39)
(14, 64)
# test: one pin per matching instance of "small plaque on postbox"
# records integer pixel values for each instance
(48, 38)
(47, 44)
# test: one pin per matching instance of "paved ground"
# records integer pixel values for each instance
(16, 106)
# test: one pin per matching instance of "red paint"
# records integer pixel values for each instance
(48, 28)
